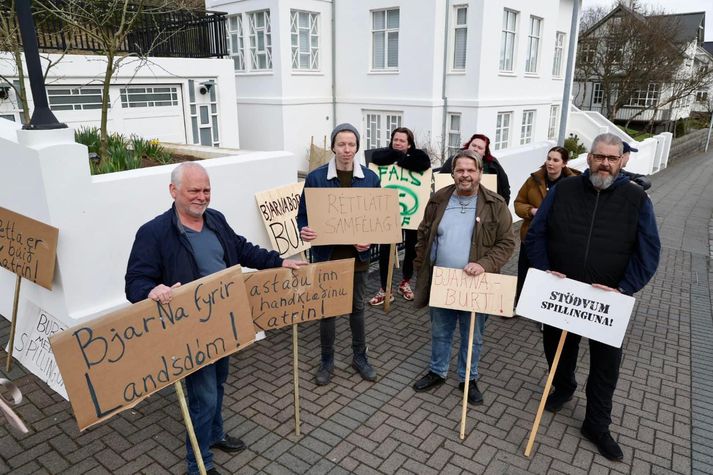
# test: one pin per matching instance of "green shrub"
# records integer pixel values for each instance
(124, 153)
(574, 146)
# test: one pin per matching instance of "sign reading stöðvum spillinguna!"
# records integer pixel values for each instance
(577, 307)
(28, 247)
(493, 294)
(112, 363)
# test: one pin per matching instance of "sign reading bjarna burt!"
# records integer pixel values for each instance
(414, 190)
(281, 297)
(353, 215)
(493, 294)
(278, 209)
(113, 362)
(576, 307)
(28, 247)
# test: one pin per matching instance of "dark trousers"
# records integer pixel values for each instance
(327, 326)
(523, 265)
(604, 361)
(410, 237)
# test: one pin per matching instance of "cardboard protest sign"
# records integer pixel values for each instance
(32, 346)
(28, 247)
(281, 297)
(278, 208)
(112, 363)
(442, 180)
(493, 294)
(576, 307)
(414, 191)
(354, 215)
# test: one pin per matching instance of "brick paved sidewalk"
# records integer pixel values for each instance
(663, 408)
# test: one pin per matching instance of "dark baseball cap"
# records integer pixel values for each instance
(628, 148)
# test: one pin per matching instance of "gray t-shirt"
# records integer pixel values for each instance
(207, 250)
(452, 243)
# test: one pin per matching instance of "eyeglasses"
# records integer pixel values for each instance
(598, 157)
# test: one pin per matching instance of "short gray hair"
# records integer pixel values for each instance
(177, 173)
(475, 156)
(608, 139)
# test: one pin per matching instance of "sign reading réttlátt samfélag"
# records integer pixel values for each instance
(576, 307)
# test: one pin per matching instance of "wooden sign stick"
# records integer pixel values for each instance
(389, 278)
(296, 377)
(545, 393)
(466, 384)
(189, 427)
(13, 324)
(396, 256)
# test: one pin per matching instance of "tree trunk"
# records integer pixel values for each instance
(103, 132)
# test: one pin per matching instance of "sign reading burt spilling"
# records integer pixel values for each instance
(493, 294)
(27, 247)
(278, 209)
(353, 215)
(281, 297)
(113, 362)
(414, 189)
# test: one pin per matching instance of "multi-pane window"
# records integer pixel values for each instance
(460, 37)
(507, 40)
(260, 40)
(554, 122)
(533, 44)
(559, 54)
(74, 98)
(385, 39)
(502, 130)
(148, 96)
(304, 29)
(528, 123)
(379, 126)
(702, 96)
(587, 52)
(597, 93)
(645, 97)
(236, 45)
(454, 140)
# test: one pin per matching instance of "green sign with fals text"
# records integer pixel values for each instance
(414, 189)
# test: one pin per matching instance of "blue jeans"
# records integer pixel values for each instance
(205, 402)
(443, 325)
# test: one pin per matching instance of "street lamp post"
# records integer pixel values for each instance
(42, 116)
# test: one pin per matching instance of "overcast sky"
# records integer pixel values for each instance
(670, 6)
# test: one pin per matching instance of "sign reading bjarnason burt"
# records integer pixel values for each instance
(576, 307)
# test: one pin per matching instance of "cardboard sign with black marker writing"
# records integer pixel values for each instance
(278, 209)
(353, 215)
(414, 190)
(112, 363)
(28, 247)
(281, 297)
(493, 294)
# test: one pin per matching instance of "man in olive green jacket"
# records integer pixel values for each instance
(465, 227)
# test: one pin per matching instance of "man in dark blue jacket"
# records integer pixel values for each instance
(183, 244)
(598, 228)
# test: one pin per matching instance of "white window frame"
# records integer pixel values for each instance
(145, 96)
(503, 125)
(304, 59)
(378, 126)
(528, 126)
(534, 38)
(389, 34)
(454, 132)
(460, 28)
(587, 51)
(236, 41)
(645, 97)
(558, 55)
(552, 130)
(255, 32)
(701, 96)
(508, 40)
(85, 98)
(597, 93)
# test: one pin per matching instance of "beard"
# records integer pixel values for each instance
(599, 182)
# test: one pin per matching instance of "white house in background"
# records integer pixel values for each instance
(444, 68)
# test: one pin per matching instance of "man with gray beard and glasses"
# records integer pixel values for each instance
(598, 228)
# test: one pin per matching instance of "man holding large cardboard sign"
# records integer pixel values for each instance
(343, 172)
(185, 243)
(600, 229)
(464, 227)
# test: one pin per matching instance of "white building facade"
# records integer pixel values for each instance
(444, 68)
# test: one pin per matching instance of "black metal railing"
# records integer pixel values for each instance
(181, 33)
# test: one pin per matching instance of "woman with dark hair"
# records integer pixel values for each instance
(530, 198)
(403, 152)
(480, 144)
